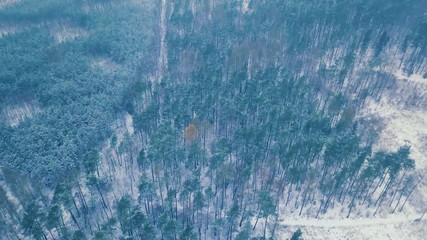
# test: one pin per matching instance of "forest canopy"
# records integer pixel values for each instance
(198, 119)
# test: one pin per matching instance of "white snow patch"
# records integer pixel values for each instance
(348, 222)
(403, 124)
(105, 64)
(396, 228)
(129, 124)
(4, 31)
(193, 7)
(402, 127)
(415, 78)
(245, 6)
(4, 3)
(64, 33)
(65, 214)
(15, 114)
(162, 64)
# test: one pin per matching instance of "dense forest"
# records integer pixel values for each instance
(158, 119)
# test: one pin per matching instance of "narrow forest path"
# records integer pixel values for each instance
(392, 227)
(163, 60)
(330, 223)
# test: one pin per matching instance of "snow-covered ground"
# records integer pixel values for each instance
(392, 227)
(245, 6)
(402, 127)
(403, 112)
(4, 3)
(397, 226)
(4, 31)
(351, 222)
(106, 65)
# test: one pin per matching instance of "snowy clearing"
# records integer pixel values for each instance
(415, 78)
(348, 222)
(403, 124)
(402, 127)
(391, 230)
(403, 114)
(391, 227)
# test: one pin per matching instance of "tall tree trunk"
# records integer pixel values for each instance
(410, 192)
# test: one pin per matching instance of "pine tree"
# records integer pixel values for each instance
(297, 235)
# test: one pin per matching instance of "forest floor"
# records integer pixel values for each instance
(397, 226)
(352, 222)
